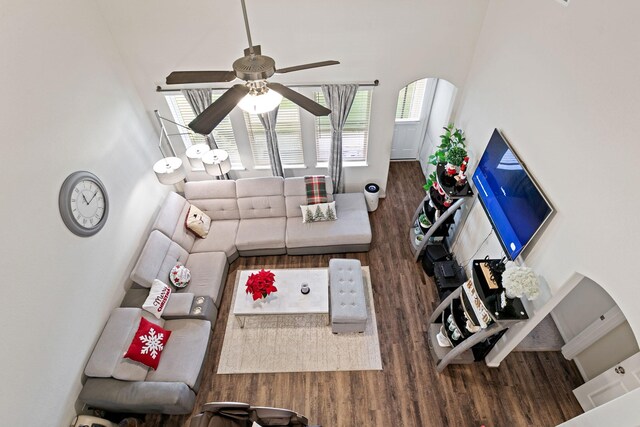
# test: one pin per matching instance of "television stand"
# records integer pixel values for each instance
(439, 216)
(476, 338)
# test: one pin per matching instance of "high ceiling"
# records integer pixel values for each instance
(395, 42)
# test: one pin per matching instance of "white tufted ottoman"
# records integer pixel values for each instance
(348, 306)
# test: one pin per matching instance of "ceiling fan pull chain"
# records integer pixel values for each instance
(246, 25)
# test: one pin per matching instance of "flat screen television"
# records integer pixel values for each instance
(513, 202)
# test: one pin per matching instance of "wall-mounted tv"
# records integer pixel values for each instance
(513, 202)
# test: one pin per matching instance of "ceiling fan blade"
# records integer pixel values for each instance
(185, 77)
(304, 102)
(216, 112)
(306, 66)
(256, 50)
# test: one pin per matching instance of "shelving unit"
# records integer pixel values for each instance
(441, 217)
(471, 346)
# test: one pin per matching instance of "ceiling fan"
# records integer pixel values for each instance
(256, 95)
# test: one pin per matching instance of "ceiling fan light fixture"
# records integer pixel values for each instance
(260, 103)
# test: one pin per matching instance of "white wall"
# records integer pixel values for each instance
(395, 42)
(562, 84)
(608, 351)
(439, 117)
(68, 104)
(621, 412)
(578, 310)
(581, 307)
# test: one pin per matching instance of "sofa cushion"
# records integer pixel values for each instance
(261, 207)
(295, 193)
(171, 220)
(217, 198)
(157, 258)
(148, 344)
(207, 275)
(261, 197)
(221, 238)
(261, 233)
(352, 227)
(106, 359)
(138, 396)
(183, 356)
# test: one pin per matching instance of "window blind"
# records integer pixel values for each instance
(410, 100)
(223, 133)
(355, 136)
(289, 136)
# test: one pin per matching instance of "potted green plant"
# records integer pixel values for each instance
(451, 138)
(451, 153)
(430, 181)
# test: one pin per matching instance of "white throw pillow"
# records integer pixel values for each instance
(319, 212)
(158, 297)
(179, 276)
(198, 222)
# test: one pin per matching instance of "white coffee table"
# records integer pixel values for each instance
(288, 299)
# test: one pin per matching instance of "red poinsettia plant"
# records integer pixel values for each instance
(260, 284)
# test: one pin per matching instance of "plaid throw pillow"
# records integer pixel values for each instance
(316, 189)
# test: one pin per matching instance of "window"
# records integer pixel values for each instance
(410, 101)
(223, 133)
(289, 136)
(355, 136)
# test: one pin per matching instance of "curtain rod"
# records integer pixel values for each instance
(160, 89)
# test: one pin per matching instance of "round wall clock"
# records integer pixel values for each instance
(83, 203)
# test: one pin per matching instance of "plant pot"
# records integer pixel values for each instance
(510, 294)
(424, 221)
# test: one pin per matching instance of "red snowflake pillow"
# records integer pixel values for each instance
(148, 343)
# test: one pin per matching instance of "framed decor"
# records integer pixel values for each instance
(83, 203)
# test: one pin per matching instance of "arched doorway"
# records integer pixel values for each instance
(600, 341)
(424, 107)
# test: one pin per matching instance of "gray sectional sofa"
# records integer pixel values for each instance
(250, 217)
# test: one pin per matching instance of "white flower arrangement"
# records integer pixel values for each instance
(519, 282)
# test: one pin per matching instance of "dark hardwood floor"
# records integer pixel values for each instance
(528, 389)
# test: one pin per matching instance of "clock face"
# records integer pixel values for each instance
(87, 203)
(83, 202)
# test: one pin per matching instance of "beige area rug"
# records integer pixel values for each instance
(298, 343)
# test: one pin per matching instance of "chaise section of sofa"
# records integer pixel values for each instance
(262, 216)
(118, 384)
(351, 232)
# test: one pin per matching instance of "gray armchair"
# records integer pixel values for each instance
(236, 414)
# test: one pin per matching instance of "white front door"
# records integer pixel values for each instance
(612, 383)
(407, 138)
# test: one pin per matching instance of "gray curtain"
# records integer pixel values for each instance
(200, 99)
(339, 99)
(268, 120)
